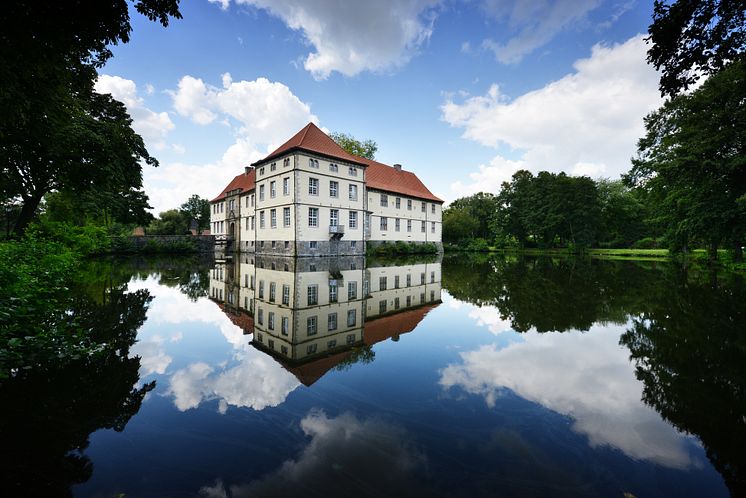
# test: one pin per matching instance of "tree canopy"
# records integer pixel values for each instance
(197, 208)
(693, 38)
(693, 163)
(56, 132)
(362, 148)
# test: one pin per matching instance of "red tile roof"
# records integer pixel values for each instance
(379, 176)
(243, 181)
(382, 177)
(312, 139)
(380, 329)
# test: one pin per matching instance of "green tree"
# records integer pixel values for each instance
(171, 222)
(693, 164)
(198, 209)
(692, 38)
(622, 214)
(361, 148)
(481, 208)
(56, 132)
(459, 225)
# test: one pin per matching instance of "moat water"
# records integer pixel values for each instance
(478, 377)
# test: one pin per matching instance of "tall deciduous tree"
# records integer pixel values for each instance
(692, 38)
(197, 209)
(56, 132)
(362, 148)
(693, 163)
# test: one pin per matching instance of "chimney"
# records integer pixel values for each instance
(247, 169)
(397, 167)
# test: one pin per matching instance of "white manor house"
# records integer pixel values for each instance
(311, 197)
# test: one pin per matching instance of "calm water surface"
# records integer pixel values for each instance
(346, 377)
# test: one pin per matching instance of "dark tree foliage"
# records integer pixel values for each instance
(692, 38)
(690, 353)
(470, 217)
(623, 214)
(171, 222)
(197, 209)
(550, 209)
(361, 148)
(56, 132)
(692, 163)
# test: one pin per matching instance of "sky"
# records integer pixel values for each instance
(463, 93)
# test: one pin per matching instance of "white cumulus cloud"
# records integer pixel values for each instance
(352, 37)
(585, 376)
(586, 123)
(152, 126)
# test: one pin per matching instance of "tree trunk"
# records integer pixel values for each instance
(712, 252)
(737, 252)
(27, 213)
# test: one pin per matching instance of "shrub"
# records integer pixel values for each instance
(647, 243)
(84, 240)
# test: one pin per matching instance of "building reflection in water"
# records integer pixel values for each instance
(315, 314)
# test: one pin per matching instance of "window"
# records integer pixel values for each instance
(353, 192)
(313, 294)
(311, 325)
(272, 291)
(424, 207)
(252, 282)
(261, 289)
(409, 279)
(422, 297)
(396, 281)
(284, 326)
(382, 306)
(273, 218)
(351, 291)
(261, 170)
(351, 318)
(286, 295)
(334, 217)
(396, 224)
(248, 220)
(350, 338)
(409, 301)
(333, 189)
(271, 320)
(286, 186)
(384, 200)
(271, 344)
(311, 349)
(273, 189)
(353, 243)
(432, 226)
(333, 167)
(261, 219)
(396, 303)
(432, 208)
(333, 292)
(252, 222)
(332, 321)
(409, 204)
(352, 171)
(260, 316)
(273, 166)
(331, 344)
(432, 277)
(313, 245)
(286, 216)
(353, 219)
(398, 202)
(313, 163)
(284, 349)
(286, 162)
(384, 223)
(261, 192)
(252, 200)
(423, 226)
(409, 225)
(422, 278)
(313, 186)
(382, 283)
(432, 295)
(313, 217)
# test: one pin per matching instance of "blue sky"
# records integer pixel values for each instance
(463, 93)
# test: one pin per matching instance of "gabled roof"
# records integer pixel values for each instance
(380, 176)
(312, 139)
(244, 181)
(395, 324)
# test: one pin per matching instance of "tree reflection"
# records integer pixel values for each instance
(689, 348)
(49, 412)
